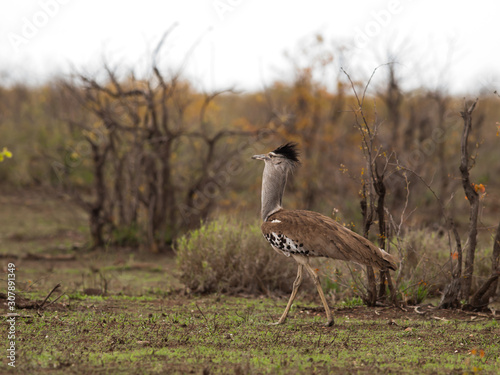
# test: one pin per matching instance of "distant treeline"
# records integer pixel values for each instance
(151, 157)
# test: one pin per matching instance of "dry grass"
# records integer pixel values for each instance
(228, 256)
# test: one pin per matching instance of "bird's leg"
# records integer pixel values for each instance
(296, 284)
(314, 275)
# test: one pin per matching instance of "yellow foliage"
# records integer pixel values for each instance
(90, 135)
(243, 124)
(5, 154)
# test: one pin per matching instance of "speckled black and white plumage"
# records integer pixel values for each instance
(286, 245)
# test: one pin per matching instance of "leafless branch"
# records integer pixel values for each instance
(48, 295)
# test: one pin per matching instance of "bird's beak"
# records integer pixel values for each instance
(260, 157)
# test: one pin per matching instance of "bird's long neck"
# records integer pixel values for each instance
(273, 187)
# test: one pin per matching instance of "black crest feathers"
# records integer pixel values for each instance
(289, 151)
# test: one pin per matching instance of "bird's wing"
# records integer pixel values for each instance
(312, 234)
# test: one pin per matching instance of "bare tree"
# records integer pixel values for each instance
(136, 130)
(472, 197)
(393, 98)
(373, 191)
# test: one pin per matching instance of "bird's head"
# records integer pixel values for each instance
(284, 158)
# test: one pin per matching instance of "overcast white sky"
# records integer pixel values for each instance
(447, 43)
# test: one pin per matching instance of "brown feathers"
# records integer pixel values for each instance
(309, 233)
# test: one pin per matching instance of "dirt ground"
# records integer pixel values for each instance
(125, 311)
(144, 324)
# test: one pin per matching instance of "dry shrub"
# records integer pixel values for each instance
(424, 273)
(427, 263)
(426, 258)
(227, 256)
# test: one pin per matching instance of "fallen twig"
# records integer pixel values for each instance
(46, 298)
(416, 308)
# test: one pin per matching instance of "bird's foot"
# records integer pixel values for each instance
(277, 323)
(329, 323)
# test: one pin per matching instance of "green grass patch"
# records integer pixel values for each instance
(221, 334)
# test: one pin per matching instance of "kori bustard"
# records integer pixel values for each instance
(305, 234)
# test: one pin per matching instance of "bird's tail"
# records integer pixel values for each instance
(390, 261)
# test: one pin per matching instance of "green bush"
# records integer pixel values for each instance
(127, 235)
(228, 256)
